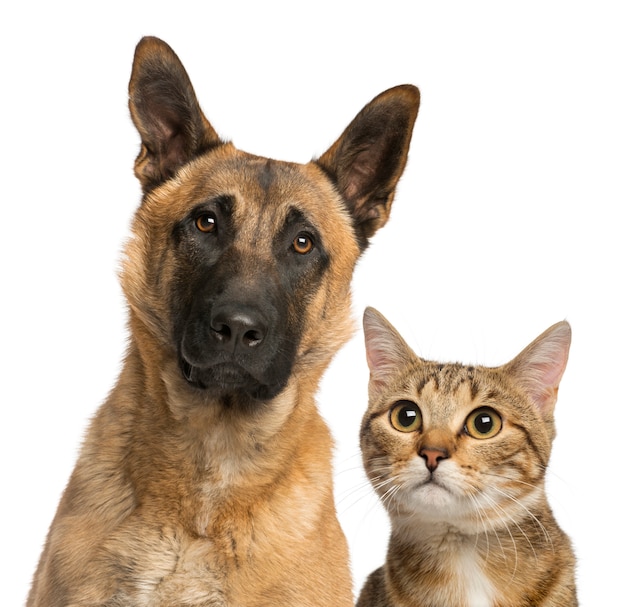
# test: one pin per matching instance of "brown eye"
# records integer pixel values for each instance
(206, 223)
(405, 416)
(483, 423)
(303, 243)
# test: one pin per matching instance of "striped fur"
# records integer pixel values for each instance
(471, 526)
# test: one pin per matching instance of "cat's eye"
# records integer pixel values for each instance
(483, 423)
(303, 243)
(207, 223)
(405, 416)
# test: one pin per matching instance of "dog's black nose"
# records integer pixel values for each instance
(236, 326)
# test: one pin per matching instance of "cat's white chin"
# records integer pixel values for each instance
(432, 494)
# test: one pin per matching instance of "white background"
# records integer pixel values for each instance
(509, 218)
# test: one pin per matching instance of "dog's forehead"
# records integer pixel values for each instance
(263, 188)
(264, 195)
(264, 192)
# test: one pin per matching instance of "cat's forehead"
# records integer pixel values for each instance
(447, 378)
(445, 389)
(451, 389)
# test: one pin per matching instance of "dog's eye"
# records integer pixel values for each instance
(206, 223)
(303, 243)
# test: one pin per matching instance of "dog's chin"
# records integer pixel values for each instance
(229, 379)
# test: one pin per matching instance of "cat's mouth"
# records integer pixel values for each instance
(434, 491)
(432, 481)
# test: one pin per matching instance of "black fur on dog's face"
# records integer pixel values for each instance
(238, 273)
(235, 304)
(240, 267)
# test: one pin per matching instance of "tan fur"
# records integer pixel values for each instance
(476, 530)
(192, 497)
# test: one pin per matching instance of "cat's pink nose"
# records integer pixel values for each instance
(432, 456)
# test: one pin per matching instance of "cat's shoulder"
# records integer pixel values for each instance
(374, 592)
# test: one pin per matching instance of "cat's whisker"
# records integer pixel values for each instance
(389, 492)
(512, 479)
(532, 516)
(377, 471)
(381, 483)
(479, 511)
(361, 491)
(349, 464)
(347, 493)
(499, 508)
(458, 455)
(387, 497)
(340, 471)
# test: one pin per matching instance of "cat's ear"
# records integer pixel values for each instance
(385, 349)
(540, 366)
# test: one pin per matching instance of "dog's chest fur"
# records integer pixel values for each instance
(205, 479)
(173, 567)
(210, 514)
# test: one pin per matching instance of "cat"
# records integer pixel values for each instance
(458, 455)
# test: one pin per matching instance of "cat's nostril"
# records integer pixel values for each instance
(432, 456)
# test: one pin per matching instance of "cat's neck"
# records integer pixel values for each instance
(477, 563)
(420, 535)
(461, 578)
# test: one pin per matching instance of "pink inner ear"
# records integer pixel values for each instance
(377, 361)
(544, 388)
(541, 365)
(385, 350)
(552, 373)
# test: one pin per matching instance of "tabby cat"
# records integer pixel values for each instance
(458, 456)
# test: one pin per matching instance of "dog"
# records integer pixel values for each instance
(205, 478)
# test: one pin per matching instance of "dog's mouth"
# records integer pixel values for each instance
(220, 375)
(227, 378)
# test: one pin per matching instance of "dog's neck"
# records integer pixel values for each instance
(222, 434)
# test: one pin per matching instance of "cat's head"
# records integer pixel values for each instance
(456, 443)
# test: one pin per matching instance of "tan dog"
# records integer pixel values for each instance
(205, 478)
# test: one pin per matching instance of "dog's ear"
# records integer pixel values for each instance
(166, 112)
(367, 161)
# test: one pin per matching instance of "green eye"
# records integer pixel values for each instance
(405, 416)
(483, 423)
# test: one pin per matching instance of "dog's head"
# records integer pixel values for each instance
(239, 267)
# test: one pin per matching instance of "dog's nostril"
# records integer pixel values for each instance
(252, 338)
(238, 327)
(222, 332)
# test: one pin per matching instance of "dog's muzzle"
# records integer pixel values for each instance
(234, 349)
